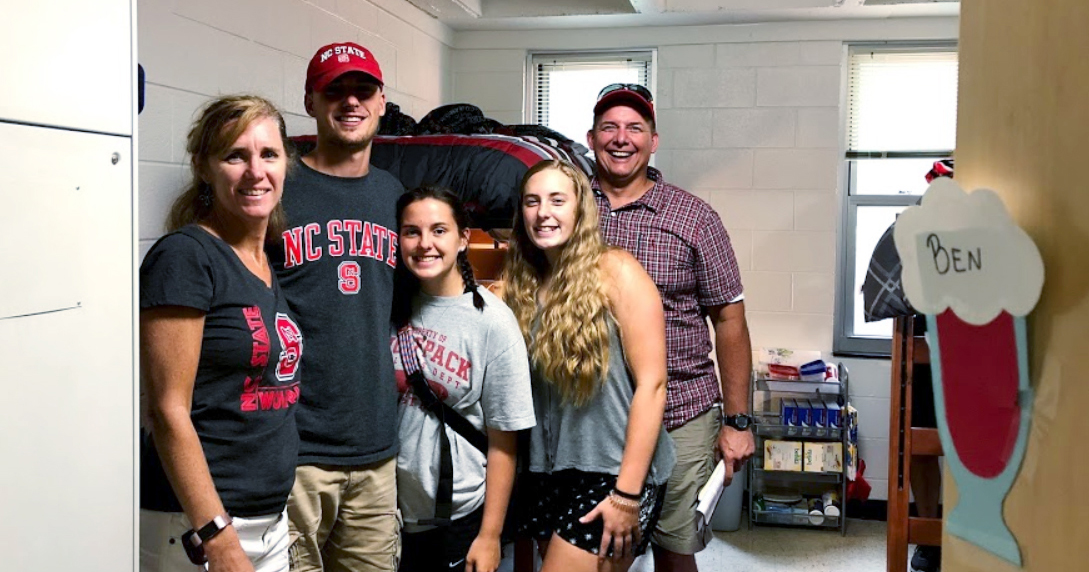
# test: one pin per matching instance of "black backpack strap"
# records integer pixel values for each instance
(460, 424)
(448, 417)
(452, 418)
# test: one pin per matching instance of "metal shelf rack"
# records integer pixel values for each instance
(770, 425)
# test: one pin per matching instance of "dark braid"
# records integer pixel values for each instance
(470, 280)
(405, 287)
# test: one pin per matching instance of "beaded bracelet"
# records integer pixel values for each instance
(628, 496)
(627, 505)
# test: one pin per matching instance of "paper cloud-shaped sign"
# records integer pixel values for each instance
(963, 251)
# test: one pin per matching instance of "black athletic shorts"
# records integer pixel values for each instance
(441, 549)
(555, 502)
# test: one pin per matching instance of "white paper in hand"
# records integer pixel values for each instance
(707, 499)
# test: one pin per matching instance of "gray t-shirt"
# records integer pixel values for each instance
(591, 438)
(476, 362)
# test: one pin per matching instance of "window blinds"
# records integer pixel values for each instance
(590, 71)
(902, 104)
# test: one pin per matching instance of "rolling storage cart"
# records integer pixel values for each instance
(780, 486)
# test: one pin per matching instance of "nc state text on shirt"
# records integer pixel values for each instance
(342, 237)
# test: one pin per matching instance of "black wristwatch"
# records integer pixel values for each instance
(741, 421)
(193, 540)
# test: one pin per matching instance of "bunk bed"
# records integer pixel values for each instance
(484, 170)
(909, 354)
(884, 298)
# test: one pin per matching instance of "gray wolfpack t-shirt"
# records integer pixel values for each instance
(476, 362)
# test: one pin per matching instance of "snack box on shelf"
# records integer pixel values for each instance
(784, 372)
(822, 457)
(808, 413)
(782, 455)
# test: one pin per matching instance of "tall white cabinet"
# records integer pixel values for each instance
(67, 286)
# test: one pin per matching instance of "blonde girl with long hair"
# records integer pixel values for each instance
(595, 331)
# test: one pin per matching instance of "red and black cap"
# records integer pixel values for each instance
(335, 60)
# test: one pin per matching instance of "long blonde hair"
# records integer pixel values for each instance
(221, 122)
(569, 343)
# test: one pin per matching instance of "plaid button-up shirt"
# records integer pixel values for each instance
(680, 241)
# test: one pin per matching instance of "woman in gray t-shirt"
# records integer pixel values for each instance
(463, 359)
(595, 328)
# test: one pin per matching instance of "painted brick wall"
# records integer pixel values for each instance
(195, 49)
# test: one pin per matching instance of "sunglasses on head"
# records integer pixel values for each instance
(639, 89)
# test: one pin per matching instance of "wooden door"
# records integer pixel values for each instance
(1023, 130)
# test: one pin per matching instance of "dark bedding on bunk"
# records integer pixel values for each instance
(484, 170)
(882, 291)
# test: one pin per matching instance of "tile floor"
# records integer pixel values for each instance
(780, 549)
(775, 549)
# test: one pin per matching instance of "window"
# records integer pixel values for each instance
(902, 116)
(565, 86)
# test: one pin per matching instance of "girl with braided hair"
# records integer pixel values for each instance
(463, 379)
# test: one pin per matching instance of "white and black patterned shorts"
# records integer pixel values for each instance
(554, 503)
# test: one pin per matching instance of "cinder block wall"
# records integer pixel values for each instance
(195, 49)
(751, 119)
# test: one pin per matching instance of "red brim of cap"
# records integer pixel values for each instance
(319, 83)
(625, 97)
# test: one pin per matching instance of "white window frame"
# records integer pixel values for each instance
(845, 341)
(534, 58)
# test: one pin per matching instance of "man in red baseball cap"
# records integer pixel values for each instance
(335, 265)
(344, 94)
(334, 60)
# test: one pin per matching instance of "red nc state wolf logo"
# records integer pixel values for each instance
(292, 344)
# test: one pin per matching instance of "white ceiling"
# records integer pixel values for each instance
(544, 14)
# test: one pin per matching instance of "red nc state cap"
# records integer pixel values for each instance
(335, 60)
(634, 96)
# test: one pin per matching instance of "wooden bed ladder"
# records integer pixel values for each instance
(905, 441)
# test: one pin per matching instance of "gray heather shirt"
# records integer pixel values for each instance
(476, 362)
(591, 438)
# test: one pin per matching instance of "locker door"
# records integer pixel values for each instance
(68, 63)
(67, 417)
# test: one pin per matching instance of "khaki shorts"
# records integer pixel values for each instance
(345, 519)
(695, 445)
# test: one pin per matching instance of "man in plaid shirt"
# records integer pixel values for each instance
(681, 242)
